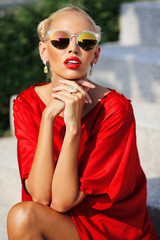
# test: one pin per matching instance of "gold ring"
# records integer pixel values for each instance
(73, 89)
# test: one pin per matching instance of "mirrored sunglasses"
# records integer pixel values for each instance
(60, 39)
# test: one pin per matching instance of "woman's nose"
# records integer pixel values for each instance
(73, 46)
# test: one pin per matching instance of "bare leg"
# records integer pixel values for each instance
(30, 220)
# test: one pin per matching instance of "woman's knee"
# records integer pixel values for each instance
(20, 218)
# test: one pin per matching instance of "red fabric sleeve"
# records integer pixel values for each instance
(112, 158)
(27, 135)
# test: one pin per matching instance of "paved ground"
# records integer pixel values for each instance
(9, 181)
(11, 189)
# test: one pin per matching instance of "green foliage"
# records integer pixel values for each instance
(19, 59)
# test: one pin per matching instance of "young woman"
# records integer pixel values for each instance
(77, 153)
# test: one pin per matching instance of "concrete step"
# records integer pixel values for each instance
(139, 23)
(133, 70)
(148, 140)
(9, 181)
(153, 202)
(147, 117)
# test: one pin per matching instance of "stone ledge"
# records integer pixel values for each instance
(133, 71)
(153, 202)
(148, 141)
(139, 23)
(147, 117)
(147, 114)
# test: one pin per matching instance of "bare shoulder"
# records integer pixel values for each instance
(44, 92)
(96, 95)
(99, 92)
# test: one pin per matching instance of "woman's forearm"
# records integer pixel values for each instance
(40, 177)
(65, 180)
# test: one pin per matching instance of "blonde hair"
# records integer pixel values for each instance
(44, 25)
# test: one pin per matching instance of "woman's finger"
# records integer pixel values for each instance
(60, 88)
(85, 83)
(66, 97)
(60, 94)
(65, 89)
(74, 84)
(82, 82)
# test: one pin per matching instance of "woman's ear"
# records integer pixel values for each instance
(96, 55)
(43, 51)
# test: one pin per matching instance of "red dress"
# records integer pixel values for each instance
(109, 168)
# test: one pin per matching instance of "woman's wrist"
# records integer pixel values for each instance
(48, 116)
(73, 129)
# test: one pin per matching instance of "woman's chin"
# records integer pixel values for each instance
(69, 75)
(75, 76)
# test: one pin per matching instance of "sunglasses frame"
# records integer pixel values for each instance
(97, 35)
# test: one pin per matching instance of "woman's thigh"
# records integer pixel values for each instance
(33, 218)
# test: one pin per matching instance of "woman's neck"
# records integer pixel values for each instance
(55, 79)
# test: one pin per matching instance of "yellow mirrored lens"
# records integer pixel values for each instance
(87, 40)
(59, 39)
(58, 35)
(86, 35)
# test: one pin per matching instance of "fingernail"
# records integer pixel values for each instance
(90, 101)
(93, 86)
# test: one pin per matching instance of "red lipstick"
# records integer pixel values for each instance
(72, 62)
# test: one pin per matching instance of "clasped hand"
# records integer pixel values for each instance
(70, 104)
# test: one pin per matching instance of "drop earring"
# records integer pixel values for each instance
(45, 66)
(91, 70)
